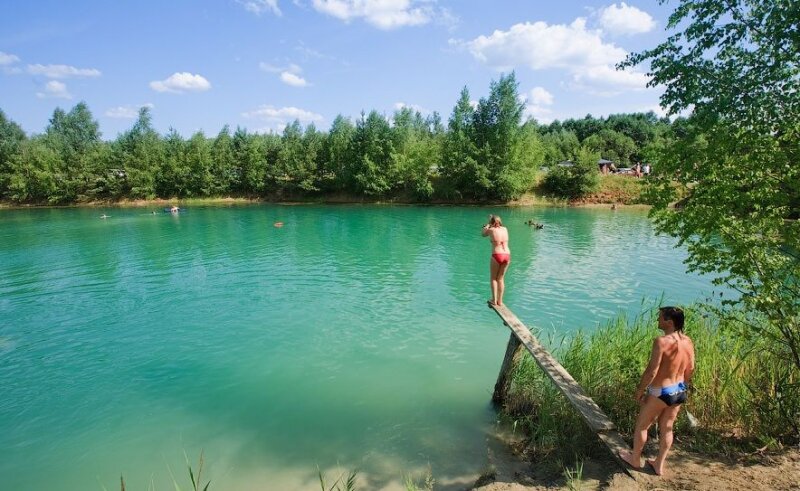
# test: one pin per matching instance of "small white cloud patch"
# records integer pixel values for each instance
(126, 112)
(8, 59)
(62, 71)
(383, 14)
(626, 19)
(258, 7)
(535, 104)
(180, 82)
(539, 96)
(290, 78)
(414, 107)
(282, 115)
(55, 90)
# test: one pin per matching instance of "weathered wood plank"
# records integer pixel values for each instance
(587, 408)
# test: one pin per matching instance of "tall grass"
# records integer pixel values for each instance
(736, 385)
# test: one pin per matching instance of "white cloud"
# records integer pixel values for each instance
(181, 82)
(414, 107)
(383, 14)
(258, 7)
(540, 95)
(625, 19)
(62, 71)
(292, 68)
(126, 112)
(294, 80)
(8, 59)
(535, 105)
(283, 115)
(581, 52)
(54, 89)
(289, 75)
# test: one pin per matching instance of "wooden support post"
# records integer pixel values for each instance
(591, 413)
(501, 387)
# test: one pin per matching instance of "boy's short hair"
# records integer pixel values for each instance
(674, 314)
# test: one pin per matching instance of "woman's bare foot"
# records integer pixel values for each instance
(627, 457)
(491, 302)
(659, 471)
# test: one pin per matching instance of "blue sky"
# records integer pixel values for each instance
(259, 64)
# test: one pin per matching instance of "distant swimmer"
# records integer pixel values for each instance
(278, 224)
(105, 216)
(174, 209)
(537, 226)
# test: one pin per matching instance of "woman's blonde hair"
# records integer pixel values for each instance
(495, 221)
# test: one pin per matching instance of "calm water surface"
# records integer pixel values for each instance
(355, 336)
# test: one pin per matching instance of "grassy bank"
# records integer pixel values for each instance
(739, 401)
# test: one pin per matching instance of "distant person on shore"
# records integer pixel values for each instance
(663, 388)
(500, 259)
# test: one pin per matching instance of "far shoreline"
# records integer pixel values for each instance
(527, 201)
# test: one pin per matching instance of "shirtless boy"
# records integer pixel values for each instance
(663, 388)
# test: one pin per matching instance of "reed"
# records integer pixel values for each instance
(735, 402)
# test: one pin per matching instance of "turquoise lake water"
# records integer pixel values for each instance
(355, 337)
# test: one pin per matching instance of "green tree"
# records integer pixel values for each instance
(11, 138)
(199, 161)
(36, 171)
(737, 64)
(499, 137)
(373, 170)
(460, 170)
(249, 154)
(414, 152)
(338, 157)
(574, 180)
(312, 159)
(612, 145)
(560, 145)
(223, 167)
(136, 157)
(74, 137)
(173, 177)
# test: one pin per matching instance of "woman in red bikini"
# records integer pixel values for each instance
(501, 257)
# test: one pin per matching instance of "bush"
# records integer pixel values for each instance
(743, 388)
(575, 181)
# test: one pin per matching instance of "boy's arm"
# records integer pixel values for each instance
(651, 370)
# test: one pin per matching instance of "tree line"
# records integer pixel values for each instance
(486, 152)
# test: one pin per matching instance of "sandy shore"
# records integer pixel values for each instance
(779, 471)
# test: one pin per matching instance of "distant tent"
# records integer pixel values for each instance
(606, 166)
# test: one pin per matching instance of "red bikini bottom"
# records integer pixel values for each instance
(502, 257)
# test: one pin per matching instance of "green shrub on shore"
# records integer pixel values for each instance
(738, 396)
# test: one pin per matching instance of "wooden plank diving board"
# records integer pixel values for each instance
(591, 413)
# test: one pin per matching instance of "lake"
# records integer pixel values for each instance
(354, 337)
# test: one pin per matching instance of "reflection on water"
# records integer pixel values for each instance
(355, 336)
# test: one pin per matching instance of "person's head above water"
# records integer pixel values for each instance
(494, 221)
